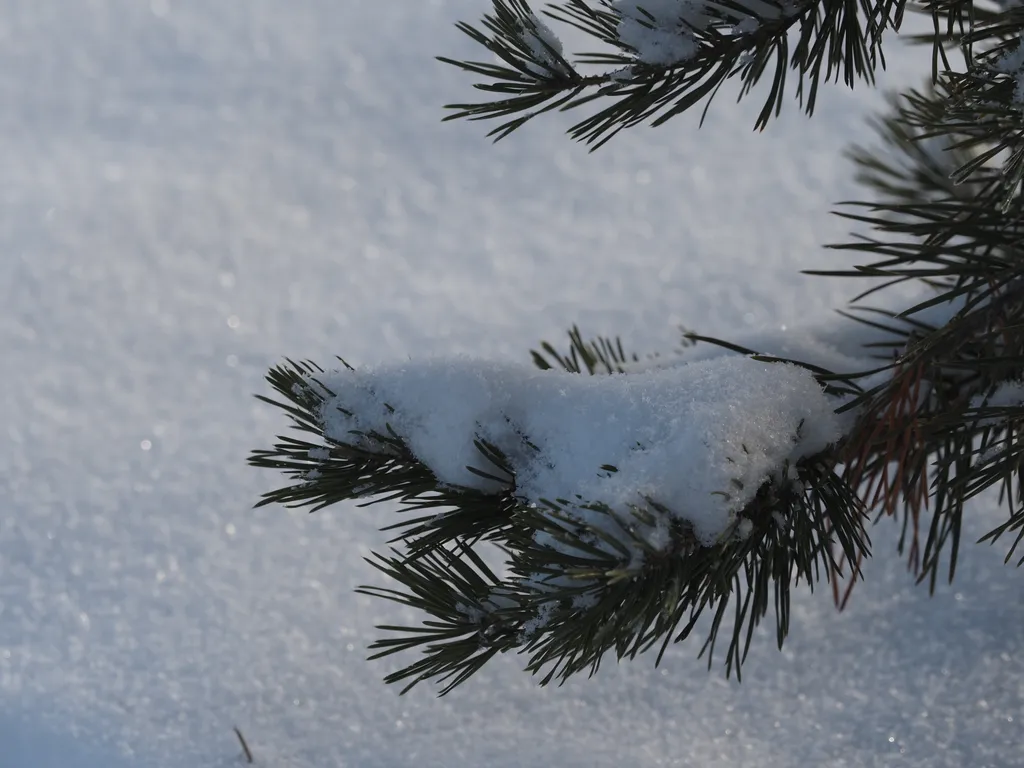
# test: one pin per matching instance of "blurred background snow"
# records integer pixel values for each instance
(192, 189)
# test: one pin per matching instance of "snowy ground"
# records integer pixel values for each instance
(193, 189)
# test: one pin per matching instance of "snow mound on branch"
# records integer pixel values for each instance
(660, 31)
(699, 438)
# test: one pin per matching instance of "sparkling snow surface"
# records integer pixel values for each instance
(192, 190)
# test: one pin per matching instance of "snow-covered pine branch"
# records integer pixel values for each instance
(626, 506)
(661, 57)
(672, 489)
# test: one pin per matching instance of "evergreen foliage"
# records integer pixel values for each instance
(936, 421)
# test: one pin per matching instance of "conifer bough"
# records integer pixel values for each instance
(600, 503)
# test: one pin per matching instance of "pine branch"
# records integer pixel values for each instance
(663, 65)
(374, 467)
(627, 608)
(599, 355)
(582, 578)
(933, 419)
(945, 213)
(456, 589)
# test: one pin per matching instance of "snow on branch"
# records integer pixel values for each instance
(697, 439)
(545, 47)
(660, 32)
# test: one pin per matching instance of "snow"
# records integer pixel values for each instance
(659, 31)
(193, 190)
(698, 438)
(544, 45)
(1012, 63)
(1006, 399)
(747, 25)
(1009, 394)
